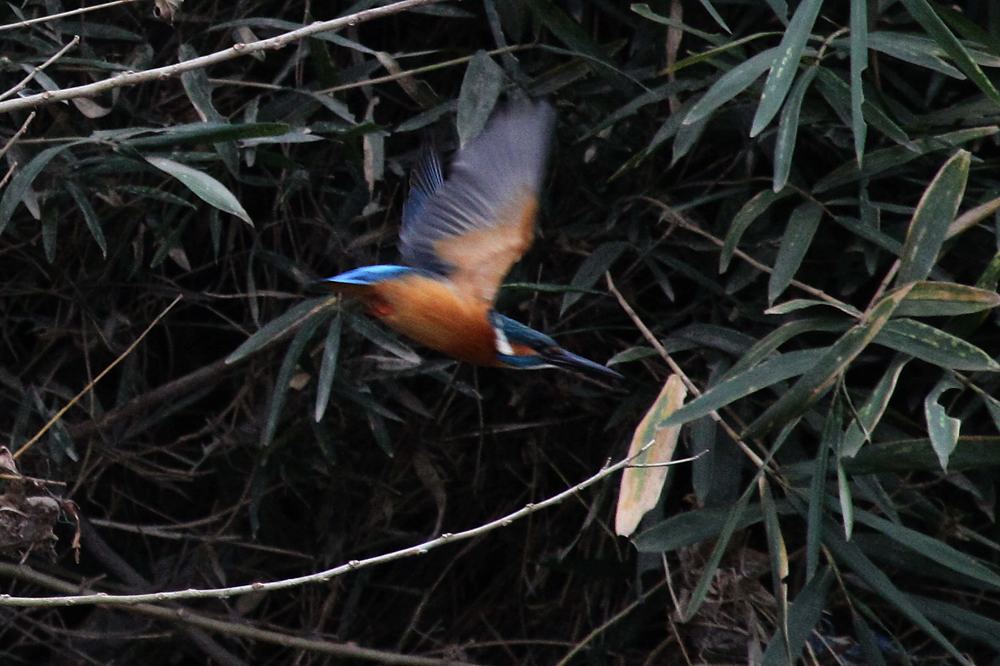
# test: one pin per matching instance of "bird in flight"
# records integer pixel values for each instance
(459, 237)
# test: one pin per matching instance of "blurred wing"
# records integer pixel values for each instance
(474, 225)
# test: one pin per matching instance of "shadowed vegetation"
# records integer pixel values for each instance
(797, 199)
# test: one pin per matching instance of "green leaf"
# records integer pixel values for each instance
(591, 270)
(785, 64)
(205, 187)
(946, 299)
(328, 367)
(208, 132)
(708, 574)
(803, 617)
(961, 620)
(922, 11)
(478, 95)
(817, 380)
(829, 443)
(870, 413)
(795, 242)
(278, 327)
(749, 381)
(931, 548)
(918, 455)
(881, 584)
(933, 215)
(89, 216)
(840, 97)
(729, 85)
(846, 498)
(934, 346)
(750, 211)
(943, 429)
(715, 15)
(859, 62)
(19, 185)
(788, 128)
(880, 161)
(913, 49)
(691, 527)
(284, 378)
(779, 336)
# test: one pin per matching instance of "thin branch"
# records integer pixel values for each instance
(677, 370)
(103, 599)
(241, 629)
(61, 15)
(17, 135)
(235, 51)
(764, 268)
(418, 70)
(86, 389)
(33, 73)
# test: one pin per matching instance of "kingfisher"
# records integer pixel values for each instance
(458, 239)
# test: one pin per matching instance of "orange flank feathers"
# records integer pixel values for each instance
(433, 313)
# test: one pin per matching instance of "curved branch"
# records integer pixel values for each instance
(321, 576)
(235, 51)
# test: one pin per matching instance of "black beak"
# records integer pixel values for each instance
(563, 359)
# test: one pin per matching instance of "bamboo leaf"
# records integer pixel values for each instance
(328, 367)
(205, 187)
(730, 84)
(591, 270)
(859, 62)
(922, 11)
(278, 327)
(749, 381)
(788, 128)
(786, 63)
(20, 184)
(870, 413)
(933, 215)
(946, 299)
(478, 95)
(818, 379)
(750, 211)
(284, 378)
(934, 346)
(802, 225)
(943, 429)
(881, 584)
(914, 455)
(803, 617)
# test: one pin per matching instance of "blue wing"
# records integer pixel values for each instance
(473, 225)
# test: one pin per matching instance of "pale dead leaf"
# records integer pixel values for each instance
(641, 486)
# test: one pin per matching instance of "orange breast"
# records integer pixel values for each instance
(433, 313)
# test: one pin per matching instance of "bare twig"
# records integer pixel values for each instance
(33, 73)
(235, 51)
(764, 268)
(104, 599)
(17, 135)
(677, 370)
(86, 389)
(61, 15)
(241, 629)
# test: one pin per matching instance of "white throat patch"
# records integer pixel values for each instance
(501, 343)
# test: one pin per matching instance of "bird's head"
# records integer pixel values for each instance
(521, 347)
